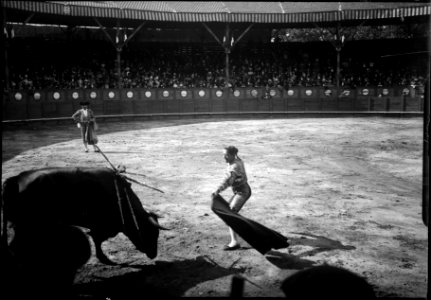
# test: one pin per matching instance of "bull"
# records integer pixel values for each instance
(98, 199)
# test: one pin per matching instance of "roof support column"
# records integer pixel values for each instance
(227, 48)
(119, 48)
(338, 44)
(339, 41)
(227, 44)
(121, 40)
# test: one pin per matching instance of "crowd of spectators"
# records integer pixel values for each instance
(186, 66)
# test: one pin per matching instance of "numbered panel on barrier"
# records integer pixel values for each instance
(129, 94)
(57, 104)
(346, 99)
(148, 94)
(219, 94)
(253, 93)
(238, 93)
(276, 92)
(218, 98)
(65, 107)
(201, 94)
(363, 98)
(92, 95)
(293, 99)
(365, 92)
(34, 105)
(309, 92)
(56, 96)
(183, 94)
(412, 102)
(165, 94)
(15, 107)
(291, 93)
(327, 93)
(96, 98)
(75, 96)
(38, 96)
(202, 98)
(395, 99)
(310, 96)
(235, 96)
(385, 92)
(278, 104)
(111, 94)
(328, 99)
(127, 99)
(251, 99)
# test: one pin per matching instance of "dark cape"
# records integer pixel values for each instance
(258, 236)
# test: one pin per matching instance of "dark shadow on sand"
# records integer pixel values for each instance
(320, 243)
(288, 261)
(164, 279)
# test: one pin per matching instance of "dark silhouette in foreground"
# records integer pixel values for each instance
(327, 282)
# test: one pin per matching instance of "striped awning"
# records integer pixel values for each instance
(255, 12)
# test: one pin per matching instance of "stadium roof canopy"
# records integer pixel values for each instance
(182, 13)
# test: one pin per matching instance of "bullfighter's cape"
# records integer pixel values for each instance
(258, 236)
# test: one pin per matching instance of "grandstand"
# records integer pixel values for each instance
(217, 59)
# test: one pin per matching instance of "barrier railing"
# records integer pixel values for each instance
(43, 104)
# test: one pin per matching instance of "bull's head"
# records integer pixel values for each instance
(140, 226)
(148, 235)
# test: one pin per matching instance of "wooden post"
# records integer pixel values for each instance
(118, 44)
(337, 75)
(119, 81)
(338, 45)
(227, 52)
(118, 47)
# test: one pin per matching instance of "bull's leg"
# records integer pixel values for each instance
(99, 252)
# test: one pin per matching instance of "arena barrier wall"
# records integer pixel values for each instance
(39, 104)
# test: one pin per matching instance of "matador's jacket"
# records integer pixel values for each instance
(80, 116)
(235, 176)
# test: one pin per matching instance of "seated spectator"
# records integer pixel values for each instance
(185, 66)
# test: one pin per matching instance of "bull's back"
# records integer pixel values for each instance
(78, 195)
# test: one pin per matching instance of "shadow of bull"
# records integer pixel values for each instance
(163, 279)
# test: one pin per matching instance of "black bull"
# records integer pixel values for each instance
(94, 198)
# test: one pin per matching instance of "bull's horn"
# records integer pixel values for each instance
(155, 224)
(163, 228)
(155, 215)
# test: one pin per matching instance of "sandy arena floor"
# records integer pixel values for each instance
(345, 191)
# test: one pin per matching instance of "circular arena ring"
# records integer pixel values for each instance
(346, 191)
